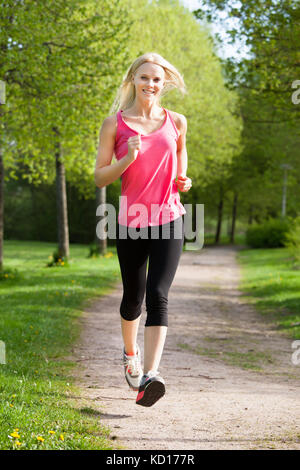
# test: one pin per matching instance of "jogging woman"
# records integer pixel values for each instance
(149, 144)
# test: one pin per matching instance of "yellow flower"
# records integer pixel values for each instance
(18, 443)
(62, 437)
(14, 396)
(40, 438)
(62, 263)
(11, 405)
(16, 430)
(51, 432)
(15, 434)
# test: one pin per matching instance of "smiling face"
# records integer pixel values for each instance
(149, 81)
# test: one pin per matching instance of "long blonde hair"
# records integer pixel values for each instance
(126, 92)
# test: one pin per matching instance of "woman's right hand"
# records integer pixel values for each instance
(134, 145)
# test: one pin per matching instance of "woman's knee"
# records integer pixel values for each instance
(157, 308)
(130, 309)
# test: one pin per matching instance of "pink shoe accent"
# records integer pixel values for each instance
(140, 396)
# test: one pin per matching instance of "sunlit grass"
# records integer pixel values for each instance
(270, 279)
(39, 310)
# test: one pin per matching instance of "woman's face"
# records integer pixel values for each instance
(149, 81)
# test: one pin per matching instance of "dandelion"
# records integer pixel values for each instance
(16, 430)
(11, 405)
(51, 432)
(62, 263)
(15, 435)
(61, 437)
(18, 443)
(14, 396)
(40, 438)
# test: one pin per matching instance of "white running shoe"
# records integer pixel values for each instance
(152, 388)
(133, 369)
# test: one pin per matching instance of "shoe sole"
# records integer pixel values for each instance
(152, 393)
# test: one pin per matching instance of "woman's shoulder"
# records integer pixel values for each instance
(179, 120)
(110, 123)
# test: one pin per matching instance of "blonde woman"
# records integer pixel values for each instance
(149, 144)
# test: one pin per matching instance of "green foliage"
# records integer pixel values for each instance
(56, 259)
(293, 239)
(93, 250)
(8, 274)
(269, 234)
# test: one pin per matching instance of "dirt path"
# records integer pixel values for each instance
(212, 401)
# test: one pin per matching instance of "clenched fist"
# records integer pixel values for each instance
(183, 183)
(134, 145)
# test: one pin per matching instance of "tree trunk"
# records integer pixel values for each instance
(220, 214)
(1, 207)
(101, 199)
(234, 211)
(61, 200)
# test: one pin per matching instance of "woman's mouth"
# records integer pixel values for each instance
(147, 92)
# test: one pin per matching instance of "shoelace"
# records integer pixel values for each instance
(152, 373)
(134, 366)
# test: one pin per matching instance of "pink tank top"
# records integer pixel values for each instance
(149, 195)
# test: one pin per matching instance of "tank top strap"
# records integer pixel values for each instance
(119, 118)
(172, 122)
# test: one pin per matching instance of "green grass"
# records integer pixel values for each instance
(269, 279)
(39, 310)
(254, 360)
(209, 239)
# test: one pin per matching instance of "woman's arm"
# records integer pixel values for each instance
(105, 173)
(182, 162)
(183, 182)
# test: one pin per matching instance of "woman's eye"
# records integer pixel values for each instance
(156, 79)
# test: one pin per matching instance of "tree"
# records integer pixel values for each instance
(58, 59)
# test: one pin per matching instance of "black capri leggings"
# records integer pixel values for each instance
(162, 245)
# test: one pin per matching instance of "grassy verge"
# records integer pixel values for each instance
(39, 309)
(270, 280)
(253, 360)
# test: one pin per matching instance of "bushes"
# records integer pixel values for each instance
(270, 234)
(293, 239)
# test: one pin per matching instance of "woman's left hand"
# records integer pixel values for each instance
(183, 183)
